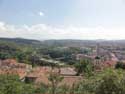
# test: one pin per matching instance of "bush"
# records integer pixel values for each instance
(85, 67)
(10, 84)
(120, 65)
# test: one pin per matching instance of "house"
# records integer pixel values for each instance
(11, 66)
(83, 56)
(67, 71)
(40, 74)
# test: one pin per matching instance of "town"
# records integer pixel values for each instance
(36, 64)
(62, 46)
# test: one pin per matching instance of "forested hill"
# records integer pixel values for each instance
(48, 42)
(70, 42)
(63, 42)
(81, 43)
(20, 40)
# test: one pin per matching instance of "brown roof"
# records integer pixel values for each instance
(10, 61)
(20, 72)
(67, 71)
(42, 74)
(11, 66)
(109, 63)
(70, 80)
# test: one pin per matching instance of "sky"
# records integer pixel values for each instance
(63, 19)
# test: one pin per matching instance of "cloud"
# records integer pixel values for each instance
(44, 31)
(41, 13)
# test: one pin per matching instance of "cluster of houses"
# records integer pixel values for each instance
(10, 66)
(101, 59)
(40, 74)
(36, 74)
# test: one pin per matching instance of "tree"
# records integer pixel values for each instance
(10, 84)
(63, 89)
(42, 89)
(4, 55)
(85, 66)
(111, 83)
(108, 81)
(120, 65)
(54, 79)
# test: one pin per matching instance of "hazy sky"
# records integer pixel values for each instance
(63, 19)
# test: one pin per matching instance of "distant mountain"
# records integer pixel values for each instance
(20, 40)
(70, 42)
(79, 43)
(64, 42)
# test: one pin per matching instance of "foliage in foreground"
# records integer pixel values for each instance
(109, 81)
(85, 67)
(10, 84)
